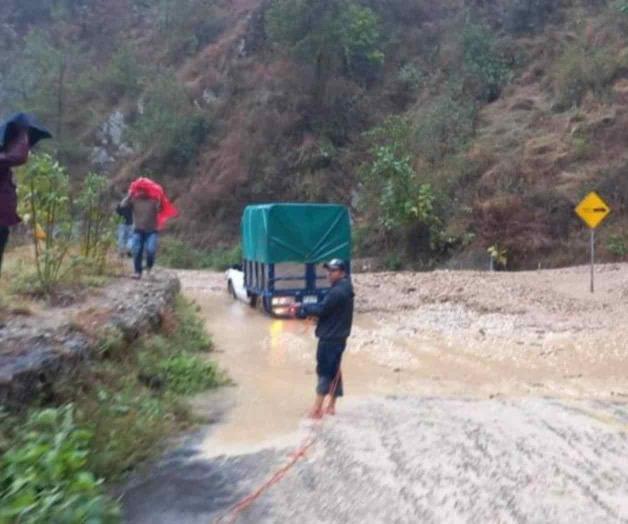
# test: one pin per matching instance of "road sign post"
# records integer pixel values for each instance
(592, 260)
(593, 211)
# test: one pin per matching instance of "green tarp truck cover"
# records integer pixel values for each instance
(301, 233)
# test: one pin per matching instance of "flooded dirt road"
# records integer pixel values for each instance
(453, 412)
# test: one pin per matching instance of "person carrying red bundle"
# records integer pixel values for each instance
(151, 210)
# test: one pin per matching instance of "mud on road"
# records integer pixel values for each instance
(472, 397)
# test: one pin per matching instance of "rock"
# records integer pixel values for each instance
(111, 138)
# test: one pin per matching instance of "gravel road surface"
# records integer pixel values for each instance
(472, 397)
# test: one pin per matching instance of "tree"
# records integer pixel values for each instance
(169, 124)
(330, 35)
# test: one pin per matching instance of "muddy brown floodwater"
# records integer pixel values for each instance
(271, 362)
(470, 398)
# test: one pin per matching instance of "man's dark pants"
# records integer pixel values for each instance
(328, 360)
(4, 237)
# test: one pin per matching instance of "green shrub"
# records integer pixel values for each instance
(393, 262)
(45, 199)
(617, 245)
(177, 254)
(190, 335)
(44, 475)
(186, 374)
(333, 35)
(169, 124)
(123, 76)
(97, 224)
(444, 127)
(411, 77)
(486, 70)
(224, 258)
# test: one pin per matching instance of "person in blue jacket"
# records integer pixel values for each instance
(335, 317)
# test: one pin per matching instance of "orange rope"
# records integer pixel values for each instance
(234, 512)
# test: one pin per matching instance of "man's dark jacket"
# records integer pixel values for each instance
(335, 312)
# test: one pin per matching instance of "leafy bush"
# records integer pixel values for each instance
(190, 334)
(123, 76)
(329, 34)
(169, 124)
(617, 245)
(445, 127)
(411, 77)
(186, 374)
(393, 262)
(44, 475)
(486, 69)
(580, 70)
(97, 224)
(45, 200)
(177, 254)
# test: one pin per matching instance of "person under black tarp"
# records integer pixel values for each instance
(335, 318)
(18, 135)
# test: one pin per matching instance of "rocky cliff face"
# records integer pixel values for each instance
(38, 351)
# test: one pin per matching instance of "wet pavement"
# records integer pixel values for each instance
(426, 434)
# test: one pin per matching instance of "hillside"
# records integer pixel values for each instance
(448, 128)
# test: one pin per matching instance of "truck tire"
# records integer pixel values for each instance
(231, 290)
(253, 300)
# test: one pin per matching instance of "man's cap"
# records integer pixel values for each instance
(335, 263)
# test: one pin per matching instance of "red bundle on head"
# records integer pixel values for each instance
(154, 191)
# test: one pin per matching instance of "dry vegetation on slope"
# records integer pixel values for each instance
(448, 128)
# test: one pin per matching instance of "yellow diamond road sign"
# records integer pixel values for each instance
(593, 210)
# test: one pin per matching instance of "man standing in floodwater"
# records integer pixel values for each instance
(335, 317)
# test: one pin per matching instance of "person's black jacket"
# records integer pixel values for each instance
(335, 312)
(126, 213)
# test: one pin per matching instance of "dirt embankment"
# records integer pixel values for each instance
(37, 350)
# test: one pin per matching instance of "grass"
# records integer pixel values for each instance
(122, 409)
(133, 396)
(19, 283)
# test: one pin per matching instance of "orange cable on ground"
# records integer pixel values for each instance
(234, 512)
